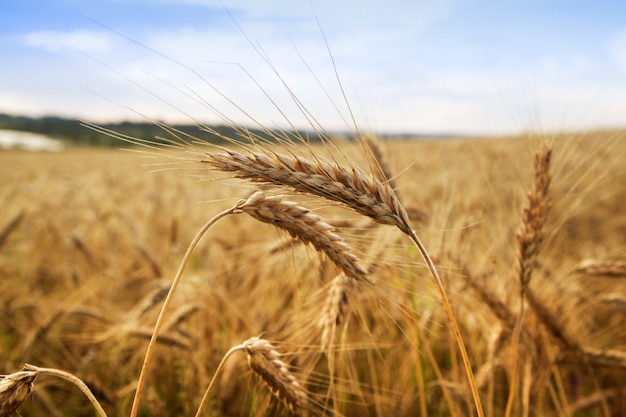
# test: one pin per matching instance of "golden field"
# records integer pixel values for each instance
(90, 241)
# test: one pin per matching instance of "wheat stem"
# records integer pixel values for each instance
(73, 379)
(166, 303)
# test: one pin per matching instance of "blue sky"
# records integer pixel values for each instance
(451, 66)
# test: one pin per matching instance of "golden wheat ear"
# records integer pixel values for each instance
(265, 361)
(351, 187)
(335, 308)
(602, 267)
(14, 389)
(300, 223)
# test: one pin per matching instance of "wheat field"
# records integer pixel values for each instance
(319, 308)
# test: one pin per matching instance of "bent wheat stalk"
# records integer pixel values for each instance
(352, 187)
(297, 221)
(71, 378)
(166, 303)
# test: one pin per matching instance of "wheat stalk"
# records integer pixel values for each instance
(530, 238)
(296, 220)
(14, 388)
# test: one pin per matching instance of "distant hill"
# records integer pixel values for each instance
(73, 133)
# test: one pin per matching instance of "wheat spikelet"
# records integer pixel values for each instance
(352, 187)
(14, 390)
(300, 223)
(265, 361)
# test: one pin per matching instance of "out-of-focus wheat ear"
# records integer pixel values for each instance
(14, 389)
(602, 267)
(265, 361)
(335, 308)
(10, 227)
(535, 212)
(300, 223)
(607, 358)
(618, 300)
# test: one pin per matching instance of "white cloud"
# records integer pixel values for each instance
(57, 41)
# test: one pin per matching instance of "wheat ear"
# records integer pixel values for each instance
(602, 267)
(14, 389)
(334, 309)
(351, 187)
(265, 361)
(320, 177)
(300, 223)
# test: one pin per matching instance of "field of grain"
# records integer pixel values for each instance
(90, 241)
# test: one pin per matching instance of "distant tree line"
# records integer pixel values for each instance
(73, 133)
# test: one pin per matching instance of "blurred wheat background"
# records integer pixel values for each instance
(90, 240)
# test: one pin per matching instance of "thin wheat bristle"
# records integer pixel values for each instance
(14, 390)
(300, 223)
(265, 361)
(352, 187)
